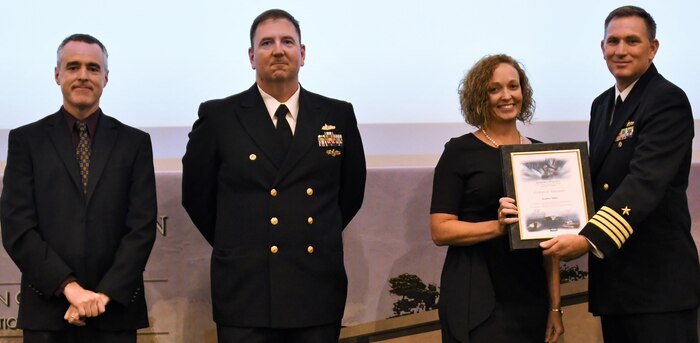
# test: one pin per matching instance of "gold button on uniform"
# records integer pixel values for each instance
(273, 192)
(273, 249)
(309, 191)
(274, 221)
(310, 220)
(605, 187)
(310, 249)
(253, 157)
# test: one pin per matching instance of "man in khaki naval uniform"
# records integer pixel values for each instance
(271, 177)
(644, 273)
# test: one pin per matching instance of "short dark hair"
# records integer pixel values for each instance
(273, 14)
(633, 11)
(80, 37)
(474, 96)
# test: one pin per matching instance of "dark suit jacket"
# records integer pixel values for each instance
(640, 166)
(275, 224)
(51, 230)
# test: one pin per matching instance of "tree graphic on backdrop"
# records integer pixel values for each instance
(415, 295)
(571, 273)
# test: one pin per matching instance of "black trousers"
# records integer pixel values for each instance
(676, 327)
(328, 333)
(76, 334)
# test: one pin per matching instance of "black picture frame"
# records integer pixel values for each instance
(551, 185)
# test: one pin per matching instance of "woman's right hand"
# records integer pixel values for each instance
(507, 212)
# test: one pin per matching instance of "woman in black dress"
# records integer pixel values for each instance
(488, 293)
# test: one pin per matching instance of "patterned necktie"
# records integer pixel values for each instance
(283, 129)
(82, 153)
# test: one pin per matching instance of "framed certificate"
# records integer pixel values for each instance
(552, 188)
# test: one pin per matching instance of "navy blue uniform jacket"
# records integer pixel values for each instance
(275, 223)
(640, 166)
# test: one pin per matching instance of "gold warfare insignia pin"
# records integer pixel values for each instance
(333, 153)
(327, 127)
(630, 123)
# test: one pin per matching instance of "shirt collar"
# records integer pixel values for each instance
(625, 92)
(272, 104)
(91, 120)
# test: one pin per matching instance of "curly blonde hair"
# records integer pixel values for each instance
(473, 91)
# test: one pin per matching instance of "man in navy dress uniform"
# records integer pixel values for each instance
(644, 273)
(271, 177)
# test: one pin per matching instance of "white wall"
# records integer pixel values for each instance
(396, 61)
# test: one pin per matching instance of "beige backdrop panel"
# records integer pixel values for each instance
(389, 236)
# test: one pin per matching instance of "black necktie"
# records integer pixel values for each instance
(82, 153)
(283, 129)
(616, 109)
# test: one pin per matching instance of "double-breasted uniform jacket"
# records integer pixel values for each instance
(275, 222)
(52, 230)
(640, 166)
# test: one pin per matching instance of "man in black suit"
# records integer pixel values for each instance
(78, 211)
(644, 273)
(271, 177)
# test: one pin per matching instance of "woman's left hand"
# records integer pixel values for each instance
(555, 327)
